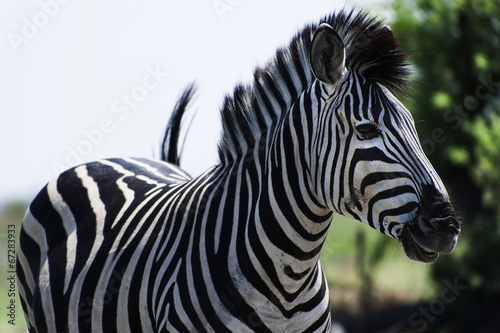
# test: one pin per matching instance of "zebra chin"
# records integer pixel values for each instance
(434, 231)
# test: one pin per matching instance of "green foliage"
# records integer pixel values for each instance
(483, 160)
(455, 50)
(485, 169)
(456, 47)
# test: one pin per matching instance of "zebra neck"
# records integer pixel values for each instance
(275, 237)
(298, 220)
(285, 222)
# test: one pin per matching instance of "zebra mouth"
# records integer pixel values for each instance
(434, 230)
(416, 251)
(423, 244)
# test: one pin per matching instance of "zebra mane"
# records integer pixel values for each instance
(252, 111)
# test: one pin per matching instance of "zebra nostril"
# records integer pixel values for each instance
(424, 223)
(436, 224)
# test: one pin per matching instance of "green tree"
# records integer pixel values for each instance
(456, 104)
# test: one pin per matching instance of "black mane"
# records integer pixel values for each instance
(252, 111)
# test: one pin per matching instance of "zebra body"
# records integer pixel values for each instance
(138, 245)
(132, 236)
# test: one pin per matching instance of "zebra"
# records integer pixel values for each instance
(138, 245)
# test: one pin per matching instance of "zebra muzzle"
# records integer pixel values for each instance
(434, 231)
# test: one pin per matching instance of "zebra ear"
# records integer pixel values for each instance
(327, 55)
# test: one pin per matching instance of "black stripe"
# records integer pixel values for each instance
(375, 177)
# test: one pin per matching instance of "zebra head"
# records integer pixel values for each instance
(375, 171)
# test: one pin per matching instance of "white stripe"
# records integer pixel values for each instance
(69, 224)
(128, 275)
(35, 230)
(128, 194)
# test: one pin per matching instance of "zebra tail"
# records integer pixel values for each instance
(169, 149)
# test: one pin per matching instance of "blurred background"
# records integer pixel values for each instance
(82, 81)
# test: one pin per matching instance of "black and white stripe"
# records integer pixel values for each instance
(136, 245)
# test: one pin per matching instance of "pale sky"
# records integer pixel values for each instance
(85, 80)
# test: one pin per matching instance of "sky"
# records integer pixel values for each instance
(86, 80)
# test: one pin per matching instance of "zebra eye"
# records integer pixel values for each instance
(368, 131)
